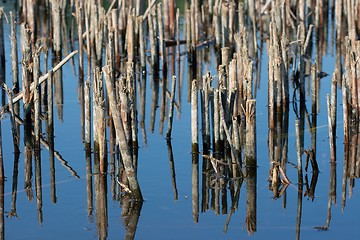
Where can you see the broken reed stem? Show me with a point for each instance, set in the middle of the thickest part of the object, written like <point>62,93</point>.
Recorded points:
<point>171,112</point>
<point>26,80</point>
<point>194,117</point>
<point>206,91</point>
<point>120,137</point>
<point>99,119</point>
<point>331,130</point>
<point>43,92</point>
<point>216,131</point>
<point>124,108</point>
<point>148,9</point>
<point>142,44</point>
<point>271,82</point>
<point>14,55</point>
<point>334,82</point>
<point>314,94</point>
<point>162,48</point>
<point>88,43</point>
<point>250,142</point>
<point>132,89</point>
<point>56,25</point>
<point>354,79</point>
<point>110,53</point>
<point>187,30</point>
<point>115,32</point>
<point>298,144</point>
<point>87,113</point>
<point>227,132</point>
<point>130,36</point>
<point>44,77</point>
<point>331,104</point>
<point>277,62</point>
<point>345,90</point>
<point>96,103</point>
<point>154,58</point>
<point>99,33</point>
<point>236,139</point>
<point>193,24</point>
<point>308,38</point>
<point>178,33</point>
<point>216,25</point>
<point>37,101</point>
<point>80,22</point>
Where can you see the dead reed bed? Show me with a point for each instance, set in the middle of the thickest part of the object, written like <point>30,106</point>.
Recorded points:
<point>122,44</point>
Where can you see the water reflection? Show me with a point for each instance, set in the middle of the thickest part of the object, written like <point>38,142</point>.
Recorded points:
<point>130,214</point>
<point>172,169</point>
<point>195,186</point>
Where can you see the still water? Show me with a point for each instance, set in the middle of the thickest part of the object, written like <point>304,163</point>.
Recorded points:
<point>165,178</point>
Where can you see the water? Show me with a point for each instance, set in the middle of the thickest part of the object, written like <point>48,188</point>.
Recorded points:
<point>167,210</point>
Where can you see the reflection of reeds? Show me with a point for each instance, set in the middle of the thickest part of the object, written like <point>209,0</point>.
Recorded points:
<point>130,215</point>
<point>49,147</point>
<point>195,186</point>
<point>172,169</point>
<point>12,212</point>
<point>101,208</point>
<point>28,173</point>
<point>38,184</point>
<point>89,183</point>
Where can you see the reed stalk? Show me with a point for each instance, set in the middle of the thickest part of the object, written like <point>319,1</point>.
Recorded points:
<point>171,111</point>
<point>121,139</point>
<point>194,116</point>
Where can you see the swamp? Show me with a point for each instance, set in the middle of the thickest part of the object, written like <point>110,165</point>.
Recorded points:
<point>169,119</point>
